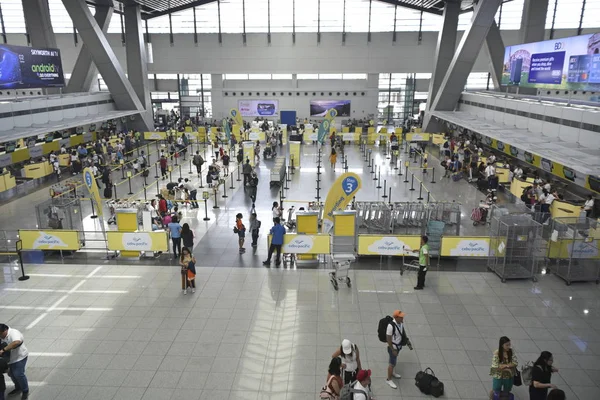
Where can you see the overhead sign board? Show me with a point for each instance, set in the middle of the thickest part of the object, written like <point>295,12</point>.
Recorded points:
<point>28,67</point>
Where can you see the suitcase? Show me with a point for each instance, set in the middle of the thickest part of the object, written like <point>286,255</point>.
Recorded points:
<point>482,184</point>
<point>108,192</point>
<point>503,396</point>
<point>145,173</point>
<point>457,176</point>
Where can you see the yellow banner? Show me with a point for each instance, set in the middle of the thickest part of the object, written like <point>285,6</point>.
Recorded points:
<point>340,194</point>
<point>248,151</point>
<point>568,248</point>
<point>92,185</point>
<point>438,138</point>
<point>237,117</point>
<point>155,135</point>
<point>295,154</point>
<point>137,241</point>
<point>256,134</point>
<point>49,240</point>
<point>376,245</point>
<point>465,246</point>
<point>305,244</point>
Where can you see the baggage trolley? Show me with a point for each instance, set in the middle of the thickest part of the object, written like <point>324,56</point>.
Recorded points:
<point>341,265</point>
<point>414,264</point>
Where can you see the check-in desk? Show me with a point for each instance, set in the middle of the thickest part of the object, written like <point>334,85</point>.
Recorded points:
<point>562,209</point>
<point>37,170</point>
<point>517,186</point>
<point>7,181</point>
<point>64,160</point>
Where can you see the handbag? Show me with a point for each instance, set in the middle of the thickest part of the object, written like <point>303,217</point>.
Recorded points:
<point>517,381</point>
<point>326,394</point>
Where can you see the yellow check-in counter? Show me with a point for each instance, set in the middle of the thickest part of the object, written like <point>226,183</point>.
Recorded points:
<point>346,129</point>
<point>503,175</point>
<point>7,181</point>
<point>517,186</point>
<point>38,170</point>
<point>64,160</point>
<point>561,209</point>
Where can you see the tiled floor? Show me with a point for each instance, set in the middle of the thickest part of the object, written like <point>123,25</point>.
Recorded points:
<point>110,332</point>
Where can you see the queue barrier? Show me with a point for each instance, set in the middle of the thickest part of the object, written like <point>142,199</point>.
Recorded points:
<point>40,239</point>
<point>137,241</point>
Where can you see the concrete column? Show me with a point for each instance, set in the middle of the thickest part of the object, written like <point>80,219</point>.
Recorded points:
<point>39,26</point>
<point>533,23</point>
<point>84,71</point>
<point>464,58</point>
<point>104,57</point>
<point>137,59</point>
<point>495,48</point>
<point>445,47</point>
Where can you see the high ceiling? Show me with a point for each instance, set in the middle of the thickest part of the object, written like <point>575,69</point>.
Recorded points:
<point>156,8</point>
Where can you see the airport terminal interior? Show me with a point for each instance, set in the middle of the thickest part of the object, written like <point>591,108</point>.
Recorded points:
<point>437,162</point>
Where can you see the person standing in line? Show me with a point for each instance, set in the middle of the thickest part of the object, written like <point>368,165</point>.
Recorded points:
<point>504,366</point>
<point>163,166</point>
<point>277,233</point>
<point>333,158</point>
<point>588,207</point>
<point>175,230</point>
<point>277,211</point>
<point>225,160</point>
<point>350,356</point>
<point>13,340</point>
<point>541,376</point>
<point>396,338</point>
<point>423,263</point>
<point>187,236</point>
<point>188,270</point>
<point>247,171</point>
<point>254,228</point>
<point>198,161</point>
<point>240,229</point>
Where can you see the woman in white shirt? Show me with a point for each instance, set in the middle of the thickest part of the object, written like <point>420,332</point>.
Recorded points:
<point>350,356</point>
<point>277,211</point>
<point>588,207</point>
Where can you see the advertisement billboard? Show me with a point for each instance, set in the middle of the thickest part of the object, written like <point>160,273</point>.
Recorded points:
<point>571,63</point>
<point>27,67</point>
<point>258,108</point>
<point>318,108</point>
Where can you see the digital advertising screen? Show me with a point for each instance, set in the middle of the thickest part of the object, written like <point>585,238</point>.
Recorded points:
<point>258,108</point>
<point>571,63</point>
<point>318,108</point>
<point>27,67</point>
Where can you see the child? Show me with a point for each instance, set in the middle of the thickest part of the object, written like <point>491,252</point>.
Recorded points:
<point>333,158</point>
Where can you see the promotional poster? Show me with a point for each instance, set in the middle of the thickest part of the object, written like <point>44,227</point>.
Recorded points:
<point>27,67</point>
<point>571,63</point>
<point>318,108</point>
<point>258,108</point>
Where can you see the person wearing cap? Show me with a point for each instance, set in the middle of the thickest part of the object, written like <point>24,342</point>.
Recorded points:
<point>361,388</point>
<point>350,356</point>
<point>396,338</point>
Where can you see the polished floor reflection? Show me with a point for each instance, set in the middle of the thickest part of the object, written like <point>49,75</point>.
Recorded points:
<point>115,332</point>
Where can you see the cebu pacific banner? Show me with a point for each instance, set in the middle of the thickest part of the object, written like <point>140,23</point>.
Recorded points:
<point>326,124</point>
<point>27,67</point>
<point>341,193</point>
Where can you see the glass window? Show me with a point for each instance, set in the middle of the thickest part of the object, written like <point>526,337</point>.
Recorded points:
<point>568,13</point>
<point>207,18</point>
<point>421,95</point>
<point>384,81</point>
<point>357,15</point>
<point>306,15</point>
<point>591,14</point>
<point>183,21</point>
<point>166,76</point>
<point>281,76</point>
<point>330,76</point>
<point>282,17</point>
<point>259,76</point>
<point>307,76</point>
<point>206,81</point>
<point>14,19</point>
<point>115,24</point>
<point>407,19</point>
<point>257,15</point>
<point>332,15</point>
<point>382,17</point>
<point>61,21</point>
<point>158,24</point>
<point>423,75</point>
<point>354,76</point>
<point>431,22</point>
<point>464,20</point>
<point>232,16</point>
<point>477,80</point>
<point>512,12</point>
<point>235,76</point>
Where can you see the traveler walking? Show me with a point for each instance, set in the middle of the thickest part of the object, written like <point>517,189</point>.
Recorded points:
<point>254,228</point>
<point>277,232</point>
<point>188,270</point>
<point>12,341</point>
<point>277,211</point>
<point>504,366</point>
<point>240,229</point>
<point>541,375</point>
<point>333,158</point>
<point>163,166</point>
<point>175,230</point>
<point>350,356</point>
<point>396,338</point>
<point>246,171</point>
<point>198,161</point>
<point>187,236</point>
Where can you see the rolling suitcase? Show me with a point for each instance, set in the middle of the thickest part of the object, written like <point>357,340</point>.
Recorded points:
<point>108,192</point>
<point>503,396</point>
<point>457,176</point>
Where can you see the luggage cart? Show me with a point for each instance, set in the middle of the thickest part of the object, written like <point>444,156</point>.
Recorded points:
<point>341,264</point>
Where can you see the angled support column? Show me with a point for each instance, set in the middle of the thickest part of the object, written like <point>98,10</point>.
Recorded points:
<point>84,70</point>
<point>137,59</point>
<point>39,25</point>
<point>445,47</point>
<point>533,23</point>
<point>103,56</point>
<point>464,59</point>
<point>495,47</point>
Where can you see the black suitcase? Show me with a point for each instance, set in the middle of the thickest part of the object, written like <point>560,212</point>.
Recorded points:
<point>145,173</point>
<point>482,184</point>
<point>108,192</point>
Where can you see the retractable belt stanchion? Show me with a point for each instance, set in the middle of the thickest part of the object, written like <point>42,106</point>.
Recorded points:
<point>130,191</point>
<point>390,196</point>
<point>432,175</point>
<point>122,171</point>
<point>115,191</point>
<point>156,171</point>
<point>180,171</point>
<point>231,187</point>
<point>157,188</point>
<point>384,189</point>
<point>372,166</point>
<point>145,195</point>
<point>420,192</point>
<point>216,203</point>
<point>191,166</point>
<point>412,182</point>
<point>206,211</point>
<point>238,173</point>
<point>405,171</point>
<point>93,211</point>
<point>224,190</point>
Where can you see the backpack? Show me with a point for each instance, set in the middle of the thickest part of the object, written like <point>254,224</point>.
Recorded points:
<point>524,195</point>
<point>382,328</point>
<point>347,392</point>
<point>526,373</point>
<point>428,383</point>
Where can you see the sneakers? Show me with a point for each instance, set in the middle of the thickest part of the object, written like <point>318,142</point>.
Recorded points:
<point>184,291</point>
<point>193,290</point>
<point>16,390</point>
<point>391,383</point>
<point>267,263</point>
<point>395,375</point>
